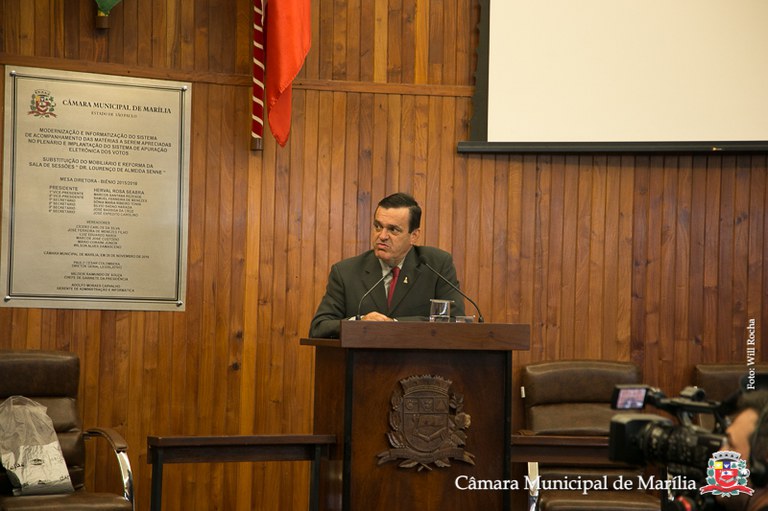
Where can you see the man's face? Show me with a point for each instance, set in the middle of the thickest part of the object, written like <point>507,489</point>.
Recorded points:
<point>740,431</point>
<point>391,239</point>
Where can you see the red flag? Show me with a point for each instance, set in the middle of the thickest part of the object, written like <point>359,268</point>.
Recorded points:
<point>288,40</point>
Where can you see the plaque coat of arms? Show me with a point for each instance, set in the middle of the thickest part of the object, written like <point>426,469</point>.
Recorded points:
<point>427,424</point>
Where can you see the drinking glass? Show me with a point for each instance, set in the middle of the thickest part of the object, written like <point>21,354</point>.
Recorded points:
<point>439,310</point>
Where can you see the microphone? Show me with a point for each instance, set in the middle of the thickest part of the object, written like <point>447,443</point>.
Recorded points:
<point>359,305</point>
<point>479,314</point>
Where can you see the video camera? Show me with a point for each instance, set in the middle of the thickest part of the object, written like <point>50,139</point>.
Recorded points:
<point>682,449</point>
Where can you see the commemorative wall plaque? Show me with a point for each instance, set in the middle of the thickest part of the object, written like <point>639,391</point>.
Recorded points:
<point>95,191</point>
<point>428,424</point>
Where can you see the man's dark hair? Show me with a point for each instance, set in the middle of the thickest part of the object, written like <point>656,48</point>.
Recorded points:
<point>403,200</point>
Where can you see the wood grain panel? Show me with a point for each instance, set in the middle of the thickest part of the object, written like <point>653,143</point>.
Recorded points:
<point>660,260</point>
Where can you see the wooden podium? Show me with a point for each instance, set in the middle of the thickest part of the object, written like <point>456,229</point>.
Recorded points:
<point>416,408</point>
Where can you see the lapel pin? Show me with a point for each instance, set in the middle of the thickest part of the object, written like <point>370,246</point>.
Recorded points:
<point>405,280</point>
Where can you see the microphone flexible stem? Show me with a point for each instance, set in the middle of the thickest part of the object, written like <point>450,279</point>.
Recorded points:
<point>480,318</point>
<point>359,305</point>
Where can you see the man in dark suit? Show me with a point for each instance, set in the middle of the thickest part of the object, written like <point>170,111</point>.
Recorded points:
<point>396,229</point>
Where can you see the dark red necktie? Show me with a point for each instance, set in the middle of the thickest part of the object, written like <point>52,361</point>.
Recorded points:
<point>392,284</point>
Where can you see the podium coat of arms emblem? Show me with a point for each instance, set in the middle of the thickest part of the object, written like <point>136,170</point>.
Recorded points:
<point>427,424</point>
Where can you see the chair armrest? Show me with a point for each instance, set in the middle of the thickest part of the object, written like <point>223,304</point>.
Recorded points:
<point>114,438</point>
<point>120,447</point>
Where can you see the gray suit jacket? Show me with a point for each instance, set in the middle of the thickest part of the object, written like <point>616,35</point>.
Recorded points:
<point>416,285</point>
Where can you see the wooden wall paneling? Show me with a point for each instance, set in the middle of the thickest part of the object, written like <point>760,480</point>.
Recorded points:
<point>598,319</point>
<point>200,35</point>
<point>252,364</point>
<point>379,52</point>
<point>421,42</point>
<point>208,333</point>
<point>88,44</point>
<point>408,42</point>
<point>470,227</point>
<point>364,34</point>
<point>581,249</point>
<point>220,36</point>
<point>308,225</point>
<point>337,228</point>
<point>756,268</point>
<point>498,255</point>
<point>407,140</point>
<point>325,186</point>
<point>445,149</point>
<point>365,185</point>
<point>468,12</point>
<point>652,294</point>
<point>480,258</point>
<point>10,26</point>
<point>394,137</point>
<point>267,374</point>
<point>343,19</point>
<point>183,54</point>
<point>711,263</point>
<point>669,248</point>
<point>42,28</point>
<point>681,226</point>
<point>741,247</point>
<point>430,171</point>
<point>322,50</point>
<point>436,37</point>
<point>130,33</point>
<point>174,33</point>
<point>419,171</point>
<point>355,51</point>
<point>379,150</point>
<point>57,28</point>
<point>71,30</point>
<point>432,193</point>
<point>555,252</point>
<point>26,35</point>
<point>180,482</point>
<point>310,214</point>
<point>230,284</point>
<point>625,261</point>
<point>758,285</point>
<point>353,225</point>
<point>392,48</point>
<point>541,250</point>
<point>112,40</point>
<point>639,266</point>
<point>450,25</point>
<point>696,264</point>
<point>530,222</point>
<point>726,350</point>
<point>276,386</point>
<point>513,300</point>
<point>459,221</point>
<point>569,213</point>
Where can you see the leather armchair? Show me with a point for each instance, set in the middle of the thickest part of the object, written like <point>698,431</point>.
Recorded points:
<point>720,381</point>
<point>52,379</point>
<point>568,414</point>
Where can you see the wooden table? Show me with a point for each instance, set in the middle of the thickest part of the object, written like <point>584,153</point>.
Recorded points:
<point>249,448</point>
